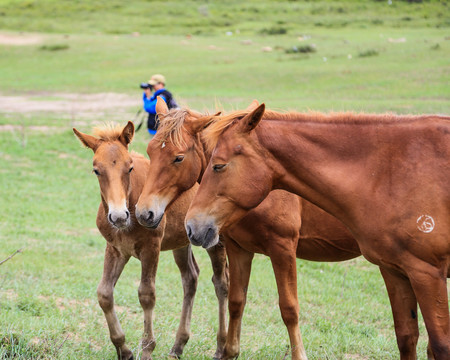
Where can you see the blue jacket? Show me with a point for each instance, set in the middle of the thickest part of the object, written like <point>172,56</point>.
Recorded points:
<point>150,104</point>
<point>150,107</point>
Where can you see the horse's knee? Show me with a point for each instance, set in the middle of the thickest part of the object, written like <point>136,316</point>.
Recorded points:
<point>147,296</point>
<point>220,285</point>
<point>190,285</point>
<point>289,314</point>
<point>235,308</point>
<point>105,298</point>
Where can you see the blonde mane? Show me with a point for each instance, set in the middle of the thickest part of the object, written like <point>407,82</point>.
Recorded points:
<point>171,125</point>
<point>108,131</point>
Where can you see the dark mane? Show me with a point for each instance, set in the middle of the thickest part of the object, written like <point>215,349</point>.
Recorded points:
<point>221,123</point>
<point>341,117</point>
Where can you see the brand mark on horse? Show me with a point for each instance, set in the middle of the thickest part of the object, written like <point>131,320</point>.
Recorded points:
<point>425,223</point>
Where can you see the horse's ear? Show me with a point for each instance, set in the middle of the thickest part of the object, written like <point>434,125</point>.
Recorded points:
<point>249,122</point>
<point>161,106</point>
<point>127,134</point>
<point>253,105</point>
<point>87,140</point>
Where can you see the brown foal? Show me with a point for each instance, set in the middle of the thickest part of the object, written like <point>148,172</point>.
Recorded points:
<point>385,177</point>
<point>121,176</point>
<point>179,158</point>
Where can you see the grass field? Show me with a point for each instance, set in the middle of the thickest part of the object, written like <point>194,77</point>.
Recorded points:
<point>82,66</point>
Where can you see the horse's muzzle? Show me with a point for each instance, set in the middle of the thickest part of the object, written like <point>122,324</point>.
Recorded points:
<point>119,219</point>
<point>148,218</point>
<point>205,235</point>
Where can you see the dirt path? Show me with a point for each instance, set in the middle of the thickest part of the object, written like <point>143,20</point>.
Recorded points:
<point>79,109</point>
<point>20,39</point>
<point>69,103</point>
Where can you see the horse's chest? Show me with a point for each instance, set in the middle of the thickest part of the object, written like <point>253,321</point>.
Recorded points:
<point>125,245</point>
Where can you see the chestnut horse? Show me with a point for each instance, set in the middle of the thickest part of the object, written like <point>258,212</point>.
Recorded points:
<point>386,177</point>
<point>121,176</point>
<point>178,160</point>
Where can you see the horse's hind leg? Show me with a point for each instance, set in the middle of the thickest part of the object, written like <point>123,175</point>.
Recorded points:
<point>112,268</point>
<point>404,310</point>
<point>220,280</point>
<point>189,270</point>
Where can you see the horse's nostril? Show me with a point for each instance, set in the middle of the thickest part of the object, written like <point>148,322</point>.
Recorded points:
<point>110,218</point>
<point>127,213</point>
<point>151,216</point>
<point>189,231</point>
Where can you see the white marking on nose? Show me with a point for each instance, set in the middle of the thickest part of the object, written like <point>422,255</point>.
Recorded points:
<point>163,145</point>
<point>425,223</point>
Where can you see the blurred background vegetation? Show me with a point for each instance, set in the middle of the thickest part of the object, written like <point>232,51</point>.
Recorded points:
<point>67,64</point>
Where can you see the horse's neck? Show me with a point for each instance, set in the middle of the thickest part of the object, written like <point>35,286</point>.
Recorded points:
<point>316,161</point>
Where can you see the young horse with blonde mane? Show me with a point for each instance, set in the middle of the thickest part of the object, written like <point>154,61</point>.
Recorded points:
<point>121,176</point>
<point>302,230</point>
<point>385,177</point>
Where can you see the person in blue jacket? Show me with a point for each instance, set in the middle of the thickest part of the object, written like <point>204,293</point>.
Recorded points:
<point>156,83</point>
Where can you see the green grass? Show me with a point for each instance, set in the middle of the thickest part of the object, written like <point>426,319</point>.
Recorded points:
<point>215,17</point>
<point>49,197</point>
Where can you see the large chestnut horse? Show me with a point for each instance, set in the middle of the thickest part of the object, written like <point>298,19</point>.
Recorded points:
<point>178,160</point>
<point>386,177</point>
<point>121,176</point>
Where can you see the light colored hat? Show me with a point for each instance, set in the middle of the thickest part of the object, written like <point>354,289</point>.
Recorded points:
<point>156,79</point>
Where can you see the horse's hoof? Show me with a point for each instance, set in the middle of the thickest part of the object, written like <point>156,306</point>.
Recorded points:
<point>126,356</point>
<point>129,357</point>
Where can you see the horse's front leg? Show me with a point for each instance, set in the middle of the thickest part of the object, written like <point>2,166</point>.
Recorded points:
<point>404,310</point>
<point>184,258</point>
<point>112,268</point>
<point>220,280</point>
<point>149,264</point>
<point>240,262</point>
<point>430,287</point>
<point>284,266</point>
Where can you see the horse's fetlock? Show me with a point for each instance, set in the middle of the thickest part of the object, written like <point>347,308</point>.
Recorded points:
<point>148,345</point>
<point>118,341</point>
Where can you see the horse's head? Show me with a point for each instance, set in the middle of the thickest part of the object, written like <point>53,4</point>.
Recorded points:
<point>177,161</point>
<point>113,165</point>
<point>235,181</point>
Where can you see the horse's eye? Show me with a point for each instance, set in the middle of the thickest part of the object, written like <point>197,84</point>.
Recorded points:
<point>178,158</point>
<point>131,169</point>
<point>219,167</point>
<point>95,171</point>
